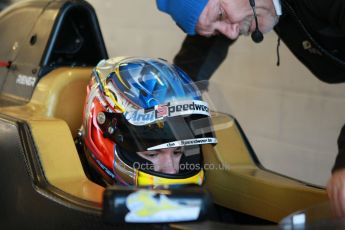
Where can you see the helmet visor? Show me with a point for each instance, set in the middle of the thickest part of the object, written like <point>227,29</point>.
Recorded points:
<point>172,132</point>
<point>152,129</point>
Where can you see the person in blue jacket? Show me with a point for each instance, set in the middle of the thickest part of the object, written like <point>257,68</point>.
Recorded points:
<point>230,18</point>
<point>313,30</point>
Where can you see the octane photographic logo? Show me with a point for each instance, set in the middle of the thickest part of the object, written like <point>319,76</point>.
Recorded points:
<point>143,117</point>
<point>184,166</point>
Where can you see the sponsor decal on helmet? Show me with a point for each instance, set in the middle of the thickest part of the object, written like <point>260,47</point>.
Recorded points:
<point>143,117</point>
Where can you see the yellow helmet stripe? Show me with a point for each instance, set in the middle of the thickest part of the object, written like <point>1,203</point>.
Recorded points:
<point>118,75</point>
<point>110,95</point>
<point>145,179</point>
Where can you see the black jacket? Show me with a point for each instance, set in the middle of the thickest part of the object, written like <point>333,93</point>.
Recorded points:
<point>314,31</point>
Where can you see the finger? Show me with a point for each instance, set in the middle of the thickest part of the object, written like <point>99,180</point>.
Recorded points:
<point>341,199</point>
<point>230,30</point>
<point>206,29</point>
<point>336,192</point>
<point>206,33</point>
<point>330,189</point>
<point>335,203</point>
<point>338,198</point>
<point>332,192</point>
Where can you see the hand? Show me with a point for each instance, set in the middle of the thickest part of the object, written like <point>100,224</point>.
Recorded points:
<point>213,21</point>
<point>336,192</point>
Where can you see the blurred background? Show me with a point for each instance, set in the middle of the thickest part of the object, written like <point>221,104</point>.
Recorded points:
<point>291,118</point>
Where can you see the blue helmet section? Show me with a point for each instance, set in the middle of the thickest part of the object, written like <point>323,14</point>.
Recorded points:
<point>150,82</point>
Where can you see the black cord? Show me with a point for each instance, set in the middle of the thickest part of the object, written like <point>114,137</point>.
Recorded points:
<point>278,54</point>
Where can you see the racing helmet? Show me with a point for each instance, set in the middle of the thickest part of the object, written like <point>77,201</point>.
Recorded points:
<point>142,104</point>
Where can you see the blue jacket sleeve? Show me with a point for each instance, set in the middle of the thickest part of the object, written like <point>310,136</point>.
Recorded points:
<point>184,12</point>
